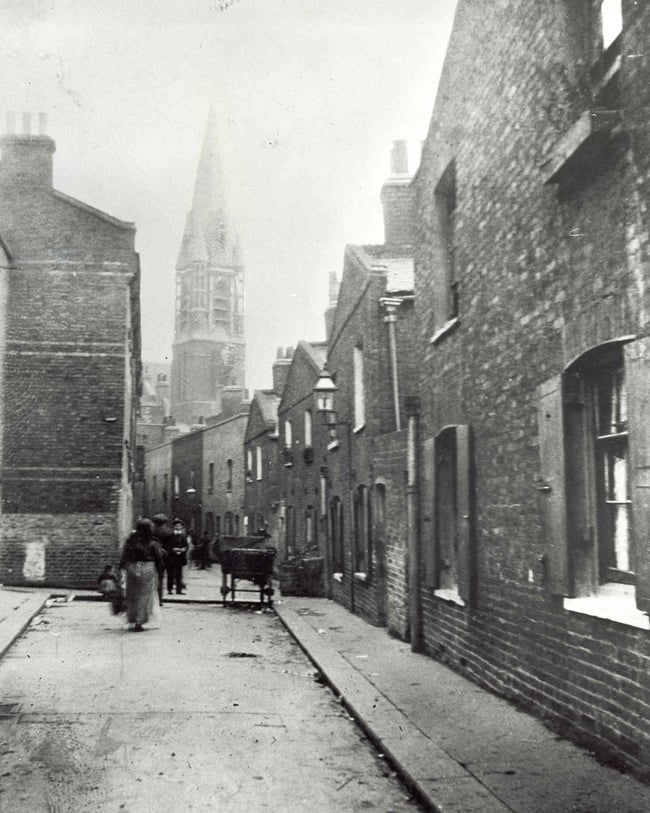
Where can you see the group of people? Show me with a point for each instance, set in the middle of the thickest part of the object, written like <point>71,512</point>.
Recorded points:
<point>152,549</point>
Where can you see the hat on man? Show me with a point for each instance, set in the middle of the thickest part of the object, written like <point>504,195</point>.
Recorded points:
<point>160,519</point>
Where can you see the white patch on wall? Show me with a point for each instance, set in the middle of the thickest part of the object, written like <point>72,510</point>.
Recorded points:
<point>34,567</point>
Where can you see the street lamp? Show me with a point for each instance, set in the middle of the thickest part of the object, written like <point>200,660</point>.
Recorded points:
<point>324,392</point>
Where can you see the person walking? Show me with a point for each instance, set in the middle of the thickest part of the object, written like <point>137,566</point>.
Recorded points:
<point>176,558</point>
<point>164,536</point>
<point>142,561</point>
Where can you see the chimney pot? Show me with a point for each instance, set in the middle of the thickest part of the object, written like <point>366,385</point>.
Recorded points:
<point>27,123</point>
<point>399,160</point>
<point>11,122</point>
<point>42,123</point>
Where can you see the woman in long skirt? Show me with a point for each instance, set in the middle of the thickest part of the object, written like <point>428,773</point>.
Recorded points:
<point>141,560</point>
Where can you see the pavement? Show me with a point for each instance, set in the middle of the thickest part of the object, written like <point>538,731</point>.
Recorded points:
<point>458,748</point>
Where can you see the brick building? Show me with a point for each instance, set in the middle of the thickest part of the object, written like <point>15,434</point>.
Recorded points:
<point>532,302</point>
<point>70,373</point>
<point>223,496</point>
<point>372,360</point>
<point>155,404</point>
<point>302,485</point>
<point>261,455</point>
<point>209,344</point>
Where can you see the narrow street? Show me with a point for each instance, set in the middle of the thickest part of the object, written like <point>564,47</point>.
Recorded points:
<point>217,710</point>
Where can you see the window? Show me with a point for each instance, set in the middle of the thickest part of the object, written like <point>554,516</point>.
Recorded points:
<point>228,475</point>
<point>445,205</point>
<point>359,394</point>
<point>449,556</point>
<point>177,486</point>
<point>611,21</point>
<point>594,453</point>
<point>288,435</point>
<point>228,524</point>
<point>290,531</point>
<point>258,461</point>
<point>154,490</point>
<point>308,427</point>
<point>165,488</point>
<point>210,478</point>
<point>362,531</point>
<point>310,526</point>
<point>336,525</point>
<point>249,465</point>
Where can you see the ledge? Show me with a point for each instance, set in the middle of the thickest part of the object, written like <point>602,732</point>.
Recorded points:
<point>444,330</point>
<point>589,128</point>
<point>361,577</point>
<point>450,595</point>
<point>613,602</point>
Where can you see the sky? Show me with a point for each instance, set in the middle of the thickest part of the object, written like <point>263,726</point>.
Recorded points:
<point>309,96</point>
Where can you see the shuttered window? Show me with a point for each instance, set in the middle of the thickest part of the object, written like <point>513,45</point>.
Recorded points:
<point>594,487</point>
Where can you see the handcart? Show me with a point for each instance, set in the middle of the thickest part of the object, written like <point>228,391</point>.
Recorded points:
<point>248,559</point>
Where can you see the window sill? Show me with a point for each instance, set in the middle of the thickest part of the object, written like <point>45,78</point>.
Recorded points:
<point>359,428</point>
<point>332,445</point>
<point>613,602</point>
<point>361,577</point>
<point>450,595</point>
<point>444,330</point>
<point>338,577</point>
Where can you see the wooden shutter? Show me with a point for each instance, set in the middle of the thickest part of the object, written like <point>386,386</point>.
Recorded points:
<point>465,512</point>
<point>637,375</point>
<point>428,515</point>
<point>551,485</point>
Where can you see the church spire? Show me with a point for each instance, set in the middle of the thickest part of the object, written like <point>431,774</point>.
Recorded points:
<point>209,343</point>
<point>208,238</point>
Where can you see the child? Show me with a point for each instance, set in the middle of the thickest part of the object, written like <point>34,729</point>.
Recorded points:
<point>107,582</point>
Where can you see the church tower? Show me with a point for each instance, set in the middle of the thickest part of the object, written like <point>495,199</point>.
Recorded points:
<point>209,346</point>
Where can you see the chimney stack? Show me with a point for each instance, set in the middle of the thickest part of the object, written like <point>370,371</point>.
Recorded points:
<point>231,398</point>
<point>281,369</point>
<point>331,308</point>
<point>398,199</point>
<point>26,159</point>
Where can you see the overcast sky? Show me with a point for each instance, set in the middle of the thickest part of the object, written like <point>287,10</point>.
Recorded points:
<point>309,95</point>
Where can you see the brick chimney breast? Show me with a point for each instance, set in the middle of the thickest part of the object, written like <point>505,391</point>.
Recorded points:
<point>26,159</point>
<point>398,199</point>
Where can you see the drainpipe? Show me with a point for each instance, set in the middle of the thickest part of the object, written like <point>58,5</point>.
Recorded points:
<point>391,306</point>
<point>412,527</point>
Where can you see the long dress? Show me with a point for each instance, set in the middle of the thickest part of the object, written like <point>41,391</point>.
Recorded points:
<point>142,603</point>
<point>140,560</point>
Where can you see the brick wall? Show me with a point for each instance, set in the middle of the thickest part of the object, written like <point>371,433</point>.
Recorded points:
<point>376,452</point>
<point>71,356</point>
<point>545,273</point>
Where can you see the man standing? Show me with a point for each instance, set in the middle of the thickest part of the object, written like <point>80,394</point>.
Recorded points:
<point>176,557</point>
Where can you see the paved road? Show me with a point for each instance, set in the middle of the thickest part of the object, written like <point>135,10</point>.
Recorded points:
<point>218,710</point>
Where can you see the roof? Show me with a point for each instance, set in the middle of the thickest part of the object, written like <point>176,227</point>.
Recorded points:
<point>317,351</point>
<point>398,262</point>
<point>268,403</point>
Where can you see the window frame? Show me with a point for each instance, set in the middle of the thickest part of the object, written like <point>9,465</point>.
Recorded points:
<point>358,388</point>
<point>562,440</point>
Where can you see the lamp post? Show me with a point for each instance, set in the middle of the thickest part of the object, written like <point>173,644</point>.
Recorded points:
<point>324,396</point>
<point>190,493</point>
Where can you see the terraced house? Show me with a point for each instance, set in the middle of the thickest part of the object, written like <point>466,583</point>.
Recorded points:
<point>531,271</point>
